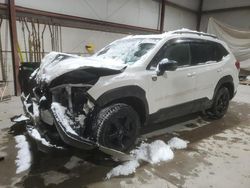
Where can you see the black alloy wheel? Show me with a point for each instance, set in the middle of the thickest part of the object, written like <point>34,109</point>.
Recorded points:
<point>220,104</point>
<point>117,127</point>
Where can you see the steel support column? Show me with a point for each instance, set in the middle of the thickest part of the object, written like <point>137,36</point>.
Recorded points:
<point>199,14</point>
<point>162,15</point>
<point>14,45</point>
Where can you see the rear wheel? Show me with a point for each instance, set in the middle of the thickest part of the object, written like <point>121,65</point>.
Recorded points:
<point>116,127</point>
<point>220,104</point>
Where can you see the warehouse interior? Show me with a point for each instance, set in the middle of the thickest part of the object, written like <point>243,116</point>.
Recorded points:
<point>31,29</point>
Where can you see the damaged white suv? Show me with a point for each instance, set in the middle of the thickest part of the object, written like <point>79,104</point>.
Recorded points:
<point>102,101</point>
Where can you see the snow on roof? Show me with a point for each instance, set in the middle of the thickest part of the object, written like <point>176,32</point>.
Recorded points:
<point>173,32</point>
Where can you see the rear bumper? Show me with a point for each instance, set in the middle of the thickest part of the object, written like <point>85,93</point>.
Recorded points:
<point>36,130</point>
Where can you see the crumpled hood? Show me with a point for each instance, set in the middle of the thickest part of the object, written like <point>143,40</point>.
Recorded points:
<point>56,64</point>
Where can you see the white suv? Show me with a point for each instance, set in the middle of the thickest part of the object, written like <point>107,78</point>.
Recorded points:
<point>104,100</point>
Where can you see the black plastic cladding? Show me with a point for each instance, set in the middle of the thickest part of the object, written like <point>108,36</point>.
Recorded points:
<point>132,95</point>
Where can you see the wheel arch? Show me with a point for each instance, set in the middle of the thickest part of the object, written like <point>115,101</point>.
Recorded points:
<point>132,95</point>
<point>226,81</point>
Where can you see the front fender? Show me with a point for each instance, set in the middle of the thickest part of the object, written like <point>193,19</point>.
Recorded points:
<point>117,94</point>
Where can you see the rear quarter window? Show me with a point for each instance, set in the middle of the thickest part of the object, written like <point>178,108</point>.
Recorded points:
<point>222,51</point>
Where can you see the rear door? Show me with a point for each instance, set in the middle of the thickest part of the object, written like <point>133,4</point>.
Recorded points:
<point>208,62</point>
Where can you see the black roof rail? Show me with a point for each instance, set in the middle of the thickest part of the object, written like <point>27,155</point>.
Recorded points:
<point>194,32</point>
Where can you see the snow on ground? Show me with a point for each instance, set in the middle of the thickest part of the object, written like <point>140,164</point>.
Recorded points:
<point>226,160</point>
<point>177,143</point>
<point>23,160</point>
<point>35,134</point>
<point>180,127</point>
<point>125,169</point>
<point>242,95</point>
<point>153,153</point>
<point>20,118</point>
<point>146,181</point>
<point>54,177</point>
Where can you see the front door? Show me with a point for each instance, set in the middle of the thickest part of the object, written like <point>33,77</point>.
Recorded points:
<point>174,88</point>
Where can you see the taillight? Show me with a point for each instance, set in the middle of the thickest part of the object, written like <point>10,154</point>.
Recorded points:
<point>237,64</point>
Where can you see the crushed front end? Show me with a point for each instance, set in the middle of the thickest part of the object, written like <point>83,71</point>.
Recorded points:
<point>58,104</point>
<point>61,115</point>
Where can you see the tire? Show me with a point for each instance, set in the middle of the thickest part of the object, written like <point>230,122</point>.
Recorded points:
<point>220,104</point>
<point>116,126</point>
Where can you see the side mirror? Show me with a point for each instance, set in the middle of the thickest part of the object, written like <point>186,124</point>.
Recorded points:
<point>166,65</point>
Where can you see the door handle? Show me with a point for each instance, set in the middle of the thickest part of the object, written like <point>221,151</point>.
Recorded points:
<point>219,70</point>
<point>191,74</point>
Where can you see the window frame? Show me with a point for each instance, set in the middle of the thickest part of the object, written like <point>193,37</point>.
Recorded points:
<point>189,41</point>
<point>167,44</point>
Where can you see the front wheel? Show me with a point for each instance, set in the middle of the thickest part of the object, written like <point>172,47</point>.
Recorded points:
<point>116,127</point>
<point>220,104</point>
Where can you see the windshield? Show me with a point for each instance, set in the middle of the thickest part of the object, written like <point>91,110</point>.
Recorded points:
<point>128,51</point>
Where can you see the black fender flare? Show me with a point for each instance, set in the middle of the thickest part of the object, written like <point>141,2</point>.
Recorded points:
<point>225,80</point>
<point>120,93</point>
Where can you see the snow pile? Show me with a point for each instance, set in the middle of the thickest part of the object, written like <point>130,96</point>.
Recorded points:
<point>152,153</point>
<point>20,118</point>
<point>125,169</point>
<point>23,160</point>
<point>61,116</point>
<point>177,143</point>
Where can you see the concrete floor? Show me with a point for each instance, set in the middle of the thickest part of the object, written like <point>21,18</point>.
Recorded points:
<point>217,156</point>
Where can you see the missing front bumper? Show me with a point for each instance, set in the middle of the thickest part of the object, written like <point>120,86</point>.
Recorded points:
<point>66,133</point>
